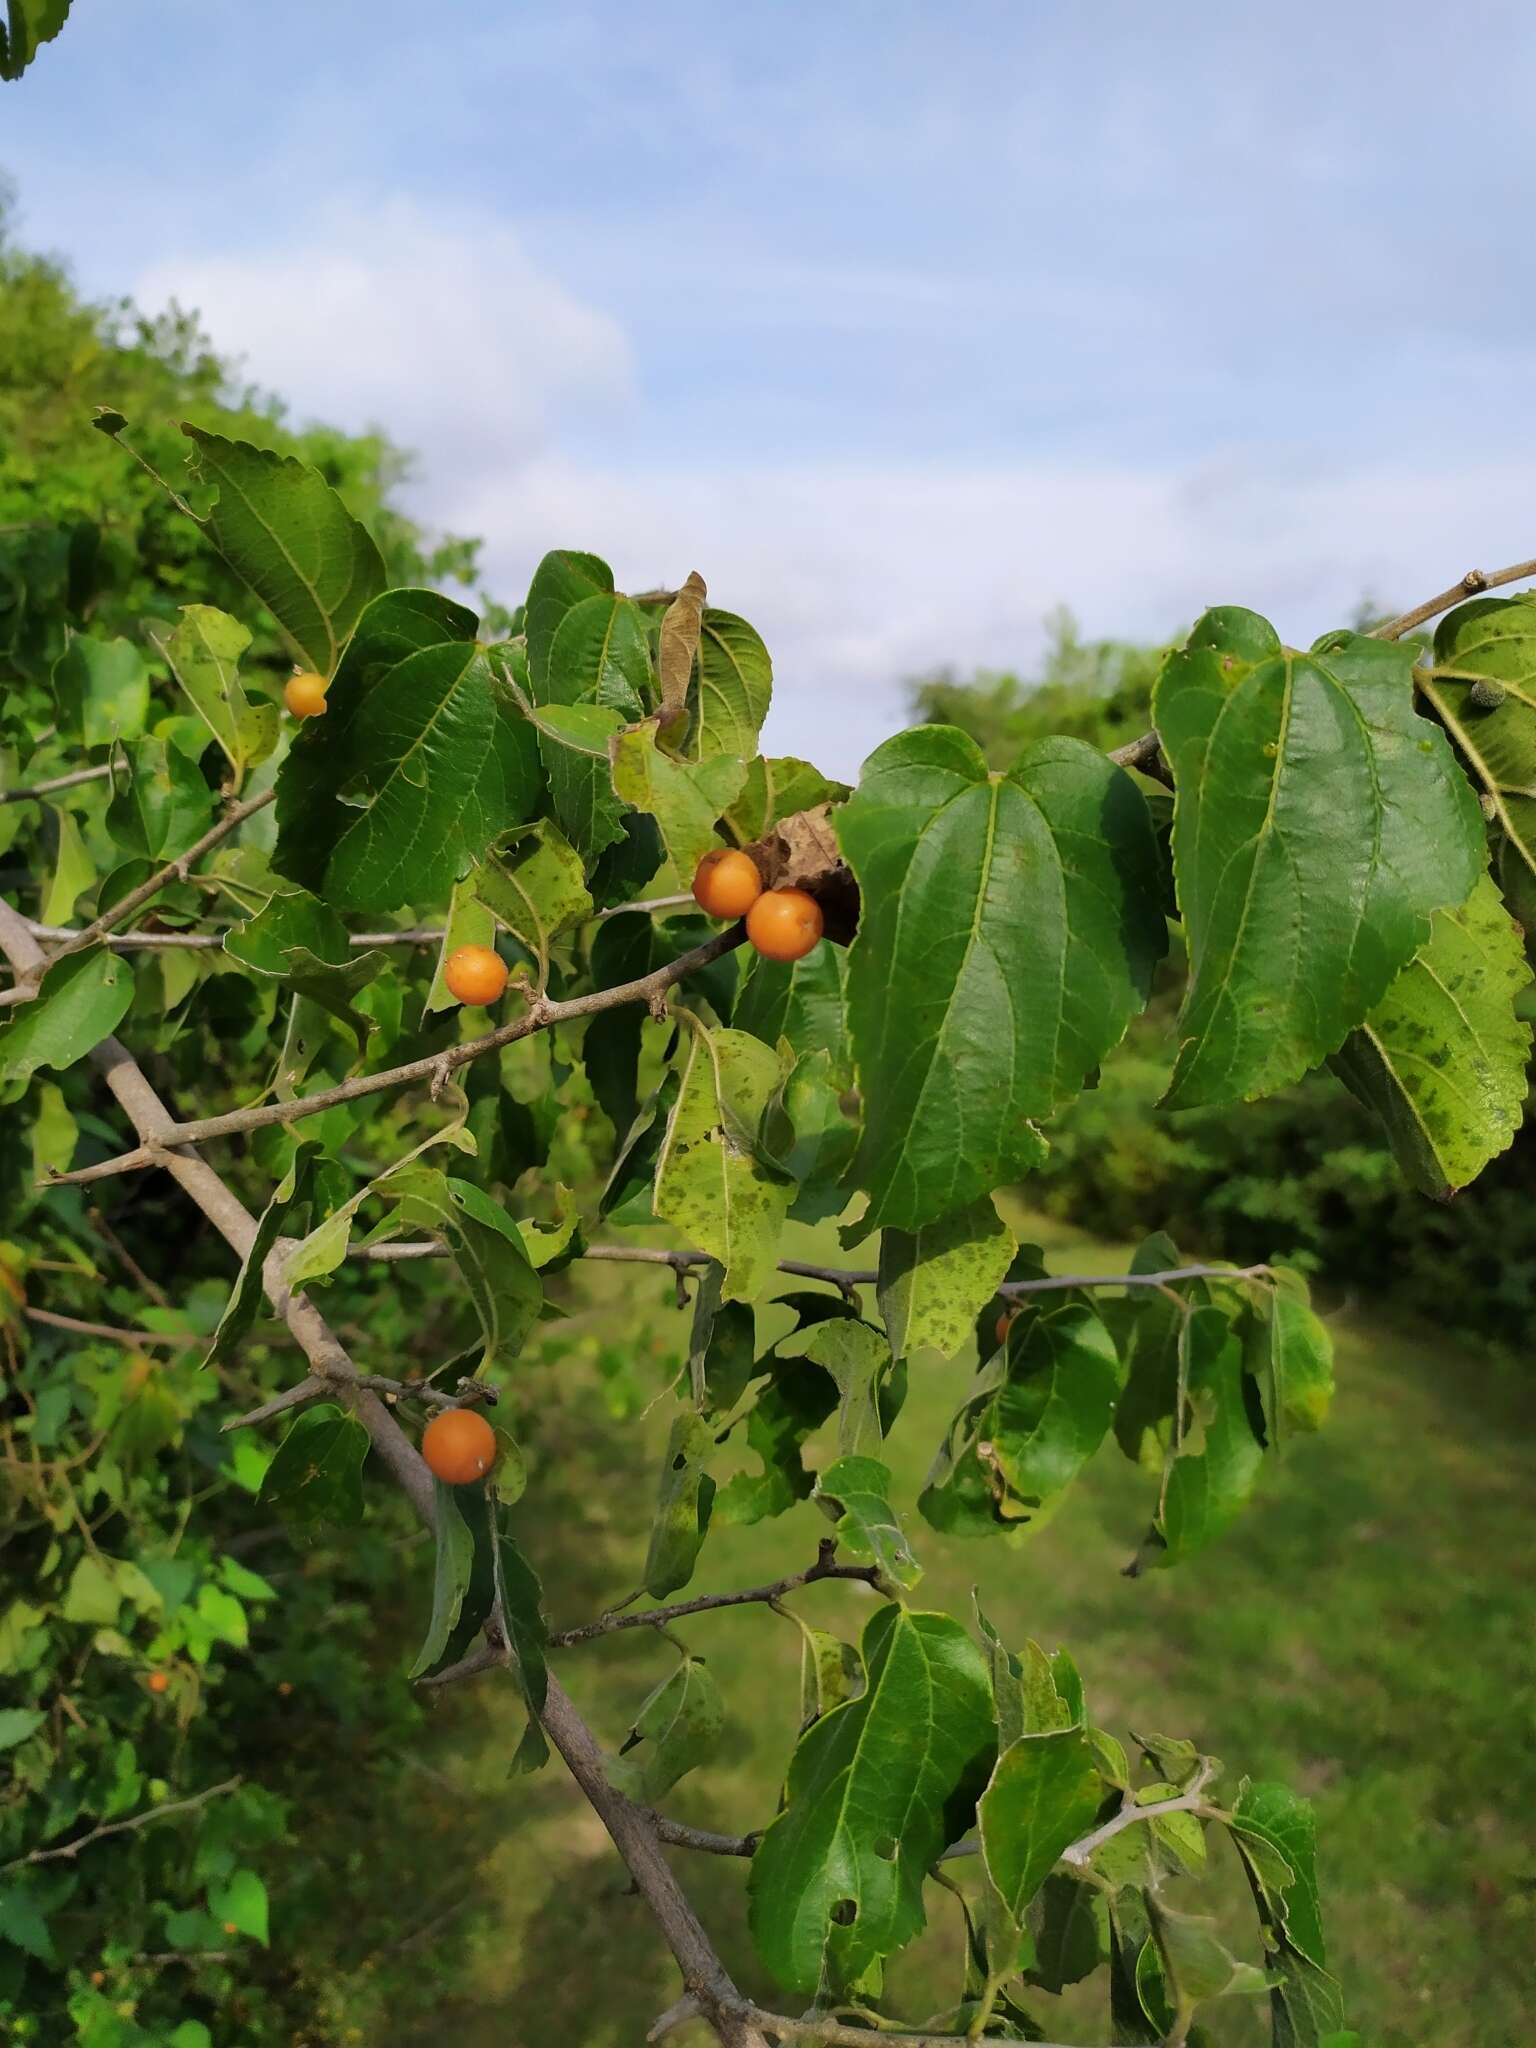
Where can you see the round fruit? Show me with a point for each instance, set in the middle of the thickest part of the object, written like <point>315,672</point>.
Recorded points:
<point>305,694</point>
<point>157,1681</point>
<point>459,1446</point>
<point>784,924</point>
<point>475,975</point>
<point>727,883</point>
<point>1004,1324</point>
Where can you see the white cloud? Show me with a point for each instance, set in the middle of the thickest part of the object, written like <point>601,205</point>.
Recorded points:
<point>438,327</point>
<point>859,577</point>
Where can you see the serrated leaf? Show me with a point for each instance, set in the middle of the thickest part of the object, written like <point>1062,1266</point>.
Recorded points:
<point>1044,1409</point>
<point>797,1400</point>
<point>684,797</point>
<point>560,582</point>
<point>291,1194</point>
<point>1442,1057</point>
<point>934,1281</point>
<point>1289,1353</point>
<point>421,760</point>
<point>534,884</point>
<point>858,1361</point>
<point>730,690</point>
<point>600,655</point>
<point>710,1180</point>
<point>1147,1325</point>
<point>1493,639</point>
<point>452,1573</point>
<point>1318,823</point>
<point>808,1134</point>
<point>837,1880</point>
<point>287,535</point>
<point>678,1728</point>
<point>856,1492</point>
<point>1216,1459</point>
<point>683,1506</point>
<point>488,1250</point>
<point>102,687</point>
<point>1044,1793</point>
<point>28,25</point>
<point>1070,1940</point>
<point>801,1001</point>
<point>575,742</point>
<point>17,1723</point>
<point>1274,1814</point>
<point>203,653</point>
<point>317,1472</point>
<point>80,1002</point>
<point>161,804</point>
<point>1009,930</point>
<point>777,787</point>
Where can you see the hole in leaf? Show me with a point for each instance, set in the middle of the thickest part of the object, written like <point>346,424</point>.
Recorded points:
<point>679,1462</point>
<point>845,1912</point>
<point>886,1848</point>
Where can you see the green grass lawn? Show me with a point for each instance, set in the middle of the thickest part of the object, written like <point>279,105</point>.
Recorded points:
<point>1367,1632</point>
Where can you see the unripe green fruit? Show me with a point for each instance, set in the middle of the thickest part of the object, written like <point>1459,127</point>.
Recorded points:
<point>1486,694</point>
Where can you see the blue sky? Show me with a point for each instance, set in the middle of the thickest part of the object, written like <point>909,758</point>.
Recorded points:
<point>902,323</point>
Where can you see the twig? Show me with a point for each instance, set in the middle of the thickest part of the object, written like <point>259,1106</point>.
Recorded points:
<point>118,1335</point>
<point>1146,754</point>
<point>27,981</point>
<point>649,903</point>
<point>36,789</point>
<point>317,1388</point>
<point>1080,1852</point>
<point>682,1837</point>
<point>678,2014</point>
<point>129,942</point>
<point>70,1850</point>
<point>1470,585</point>
<point>541,1015</point>
<point>825,1567</point>
<point>839,2035</point>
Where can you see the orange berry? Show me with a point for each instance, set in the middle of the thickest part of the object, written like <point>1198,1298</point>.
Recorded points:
<point>459,1446</point>
<point>1005,1324</point>
<point>157,1681</point>
<point>726,883</point>
<point>305,694</point>
<point>784,924</point>
<point>475,975</point>
<point>284,1687</point>
<point>230,1927</point>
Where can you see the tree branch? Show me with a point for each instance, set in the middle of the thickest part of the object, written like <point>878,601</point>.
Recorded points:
<point>838,2035</point>
<point>28,979</point>
<point>825,1567</point>
<point>704,1975</point>
<point>468,1393</point>
<point>131,942</point>
<point>117,1334</point>
<point>37,789</point>
<point>70,1850</point>
<point>1192,1801</point>
<point>1470,585</point>
<point>541,1015</point>
<point>682,1837</point>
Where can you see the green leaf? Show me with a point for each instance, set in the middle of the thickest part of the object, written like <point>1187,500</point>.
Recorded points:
<point>241,1902</point>
<point>858,1360</point>
<point>808,1134</point>
<point>797,1400</point>
<point>22,1923</point>
<point>683,1507</point>
<point>856,1493</point>
<point>935,1281</point>
<point>1274,1814</point>
<point>710,1181</point>
<point>421,760</point>
<point>534,884</point>
<point>977,888</point>
<point>1147,1325</point>
<point>1195,1964</point>
<point>93,1594</point>
<point>684,797</point>
<point>1044,1793</point>
<point>560,582</point>
<point>730,689</point>
<point>1215,1461</point>
<point>455,1559</point>
<point>1071,1940</point>
<point>317,1473</point>
<point>1493,638</point>
<point>17,1723</point>
<point>203,654</point>
<point>721,1346</point>
<point>678,1728</point>
<point>488,1250</point>
<point>163,803</point>
<point>1319,821</point>
<point>600,655</point>
<point>1289,1354</point>
<point>1442,1057</point>
<point>522,1606</point>
<point>837,1880</point>
<point>575,742</point>
<point>80,1002</point>
<point>32,23</point>
<point>73,871</point>
<point>830,1671</point>
<point>291,1194</point>
<point>1045,1407</point>
<point>287,535</point>
<point>102,687</point>
<point>777,788</point>
<point>801,1001</point>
